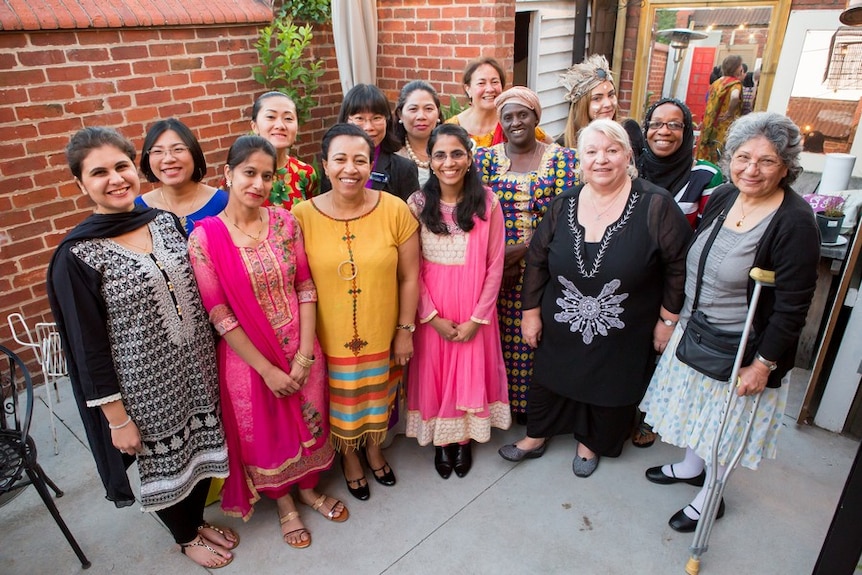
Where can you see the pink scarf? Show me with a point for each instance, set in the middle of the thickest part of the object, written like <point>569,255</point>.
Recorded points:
<point>237,288</point>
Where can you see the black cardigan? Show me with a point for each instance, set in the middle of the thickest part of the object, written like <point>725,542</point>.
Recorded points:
<point>790,246</point>
<point>401,175</point>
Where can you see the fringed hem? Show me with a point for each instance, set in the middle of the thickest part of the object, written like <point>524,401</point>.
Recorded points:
<point>342,444</point>
<point>443,431</point>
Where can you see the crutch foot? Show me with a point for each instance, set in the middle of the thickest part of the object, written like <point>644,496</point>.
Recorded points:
<point>685,524</point>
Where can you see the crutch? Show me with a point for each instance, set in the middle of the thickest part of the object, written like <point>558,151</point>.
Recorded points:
<point>715,485</point>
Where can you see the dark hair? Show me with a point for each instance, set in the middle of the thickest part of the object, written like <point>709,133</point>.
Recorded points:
<point>369,98</point>
<point>472,200</point>
<point>474,65</point>
<point>409,88</point>
<point>344,129</point>
<point>258,104</point>
<point>155,132</point>
<point>85,141</point>
<point>245,146</point>
<point>715,75</point>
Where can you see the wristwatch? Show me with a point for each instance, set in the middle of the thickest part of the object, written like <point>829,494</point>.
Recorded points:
<point>411,327</point>
<point>668,322</point>
<point>772,365</point>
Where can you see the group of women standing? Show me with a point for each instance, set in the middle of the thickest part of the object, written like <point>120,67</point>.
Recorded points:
<point>516,277</point>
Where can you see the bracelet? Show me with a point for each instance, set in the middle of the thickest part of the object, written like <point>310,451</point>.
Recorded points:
<point>302,360</point>
<point>122,425</point>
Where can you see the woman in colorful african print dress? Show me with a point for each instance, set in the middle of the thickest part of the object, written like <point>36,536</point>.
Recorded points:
<point>457,390</point>
<point>255,283</point>
<point>723,106</point>
<point>363,250</point>
<point>526,175</point>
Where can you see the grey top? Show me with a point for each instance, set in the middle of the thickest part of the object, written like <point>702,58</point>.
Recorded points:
<point>723,290</point>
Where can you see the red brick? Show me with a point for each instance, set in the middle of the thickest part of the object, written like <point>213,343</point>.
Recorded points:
<point>112,70</point>
<point>194,63</point>
<point>52,92</point>
<point>120,102</point>
<point>13,96</point>
<point>42,145</point>
<point>22,77</point>
<point>244,59</point>
<point>141,114</point>
<point>93,37</point>
<point>133,36</point>
<point>206,77</point>
<point>201,47</point>
<point>29,278</point>
<point>129,53</point>
<point>135,84</point>
<point>85,106</point>
<point>88,55</point>
<point>153,97</point>
<point>23,165</point>
<point>69,74</point>
<point>169,48</point>
<point>13,40</point>
<point>96,88</point>
<point>170,80</point>
<point>175,109</point>
<point>66,126</point>
<point>39,112</point>
<point>54,38</point>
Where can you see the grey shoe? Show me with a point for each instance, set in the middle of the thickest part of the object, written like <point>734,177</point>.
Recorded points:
<point>512,452</point>
<point>584,467</point>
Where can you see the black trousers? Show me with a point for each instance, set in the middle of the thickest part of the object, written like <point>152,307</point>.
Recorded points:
<point>184,517</point>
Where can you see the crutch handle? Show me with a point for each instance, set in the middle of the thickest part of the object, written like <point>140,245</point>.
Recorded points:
<point>765,277</point>
<point>692,567</point>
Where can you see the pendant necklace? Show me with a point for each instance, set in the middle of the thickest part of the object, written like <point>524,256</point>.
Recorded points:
<point>600,215</point>
<point>255,237</point>
<point>183,219</point>
<point>741,220</point>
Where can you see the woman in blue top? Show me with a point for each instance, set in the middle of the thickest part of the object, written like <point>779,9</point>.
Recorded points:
<point>172,155</point>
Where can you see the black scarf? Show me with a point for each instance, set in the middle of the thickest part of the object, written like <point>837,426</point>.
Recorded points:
<point>671,172</point>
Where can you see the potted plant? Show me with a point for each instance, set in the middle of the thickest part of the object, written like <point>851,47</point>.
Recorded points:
<point>830,218</point>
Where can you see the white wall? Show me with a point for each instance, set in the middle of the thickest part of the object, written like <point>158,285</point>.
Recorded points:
<point>793,59</point>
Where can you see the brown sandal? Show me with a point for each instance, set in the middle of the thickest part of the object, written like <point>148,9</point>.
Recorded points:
<point>318,506</point>
<point>199,541</point>
<point>299,544</point>
<point>229,534</point>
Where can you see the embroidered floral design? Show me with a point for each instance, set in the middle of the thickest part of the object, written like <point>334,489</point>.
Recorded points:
<point>587,314</point>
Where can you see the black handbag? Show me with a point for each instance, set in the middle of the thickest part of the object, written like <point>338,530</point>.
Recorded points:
<point>703,347</point>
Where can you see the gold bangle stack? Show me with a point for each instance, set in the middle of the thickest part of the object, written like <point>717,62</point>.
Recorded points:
<point>302,360</point>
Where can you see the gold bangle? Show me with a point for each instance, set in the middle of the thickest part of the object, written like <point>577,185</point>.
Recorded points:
<point>302,360</point>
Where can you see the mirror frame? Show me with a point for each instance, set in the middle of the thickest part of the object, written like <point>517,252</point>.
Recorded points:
<point>777,30</point>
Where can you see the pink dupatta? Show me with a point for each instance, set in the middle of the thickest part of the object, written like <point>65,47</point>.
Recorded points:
<point>228,264</point>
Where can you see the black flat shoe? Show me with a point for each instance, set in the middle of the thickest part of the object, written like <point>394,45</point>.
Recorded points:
<point>656,475</point>
<point>463,459</point>
<point>443,461</point>
<point>685,524</point>
<point>357,487</point>
<point>386,477</point>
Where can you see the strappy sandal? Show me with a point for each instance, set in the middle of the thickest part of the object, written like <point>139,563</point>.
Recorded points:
<point>231,536</point>
<point>299,544</point>
<point>318,506</point>
<point>199,541</point>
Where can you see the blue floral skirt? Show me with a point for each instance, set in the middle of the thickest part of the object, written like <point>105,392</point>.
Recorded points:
<point>684,407</point>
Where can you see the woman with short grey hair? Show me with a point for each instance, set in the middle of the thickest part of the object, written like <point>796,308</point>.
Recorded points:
<point>761,223</point>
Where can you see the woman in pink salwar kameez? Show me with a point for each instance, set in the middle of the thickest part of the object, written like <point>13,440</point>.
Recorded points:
<point>255,283</point>
<point>457,380</point>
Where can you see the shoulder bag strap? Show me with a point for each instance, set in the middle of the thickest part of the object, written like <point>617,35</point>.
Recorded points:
<point>719,221</point>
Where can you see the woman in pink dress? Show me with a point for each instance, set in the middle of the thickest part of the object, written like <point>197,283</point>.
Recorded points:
<point>255,283</point>
<point>457,381</point>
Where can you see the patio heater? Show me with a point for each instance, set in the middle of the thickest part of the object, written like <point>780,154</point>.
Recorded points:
<point>852,16</point>
<point>679,40</point>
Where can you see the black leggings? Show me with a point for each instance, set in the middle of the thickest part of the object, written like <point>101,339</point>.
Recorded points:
<point>184,517</point>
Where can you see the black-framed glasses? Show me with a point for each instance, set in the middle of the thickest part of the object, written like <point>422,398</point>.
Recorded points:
<point>672,126</point>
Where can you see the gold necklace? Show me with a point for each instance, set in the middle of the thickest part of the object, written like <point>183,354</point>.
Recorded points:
<point>599,215</point>
<point>255,237</point>
<point>183,219</point>
<point>741,220</point>
<point>412,154</point>
<point>146,248</point>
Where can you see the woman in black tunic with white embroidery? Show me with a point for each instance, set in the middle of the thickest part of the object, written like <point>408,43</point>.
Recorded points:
<point>602,289</point>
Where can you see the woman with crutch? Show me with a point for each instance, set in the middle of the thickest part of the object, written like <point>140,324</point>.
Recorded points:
<point>755,221</point>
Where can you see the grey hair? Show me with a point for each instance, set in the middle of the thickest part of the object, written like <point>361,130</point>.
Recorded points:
<point>778,129</point>
<point>612,130</point>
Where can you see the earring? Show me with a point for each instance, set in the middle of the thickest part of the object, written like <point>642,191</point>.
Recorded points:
<point>400,121</point>
<point>229,183</point>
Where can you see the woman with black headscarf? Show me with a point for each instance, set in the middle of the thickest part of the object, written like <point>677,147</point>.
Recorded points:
<point>667,159</point>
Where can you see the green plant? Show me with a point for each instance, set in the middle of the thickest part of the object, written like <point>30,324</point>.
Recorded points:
<point>284,64</point>
<point>834,207</point>
<point>453,108</point>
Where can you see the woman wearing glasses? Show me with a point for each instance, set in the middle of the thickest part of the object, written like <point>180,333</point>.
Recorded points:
<point>668,158</point>
<point>367,107</point>
<point>457,390</point>
<point>760,222</point>
<point>172,155</point>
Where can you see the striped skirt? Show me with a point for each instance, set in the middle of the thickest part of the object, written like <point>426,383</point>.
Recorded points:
<point>362,394</point>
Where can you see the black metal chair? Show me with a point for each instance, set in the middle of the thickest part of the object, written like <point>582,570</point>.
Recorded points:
<point>17,448</point>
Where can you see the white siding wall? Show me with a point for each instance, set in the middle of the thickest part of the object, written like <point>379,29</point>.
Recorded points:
<point>551,54</point>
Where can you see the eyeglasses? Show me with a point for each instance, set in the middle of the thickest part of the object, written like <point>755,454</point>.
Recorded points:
<point>763,164</point>
<point>672,126</point>
<point>361,120</point>
<point>454,154</point>
<point>174,151</point>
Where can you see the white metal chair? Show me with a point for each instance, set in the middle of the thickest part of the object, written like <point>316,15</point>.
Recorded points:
<point>48,349</point>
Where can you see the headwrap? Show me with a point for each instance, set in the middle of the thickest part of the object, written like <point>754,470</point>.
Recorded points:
<point>581,78</point>
<point>671,172</point>
<point>520,95</point>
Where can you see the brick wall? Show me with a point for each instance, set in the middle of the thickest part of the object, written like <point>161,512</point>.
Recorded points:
<point>433,40</point>
<point>658,65</point>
